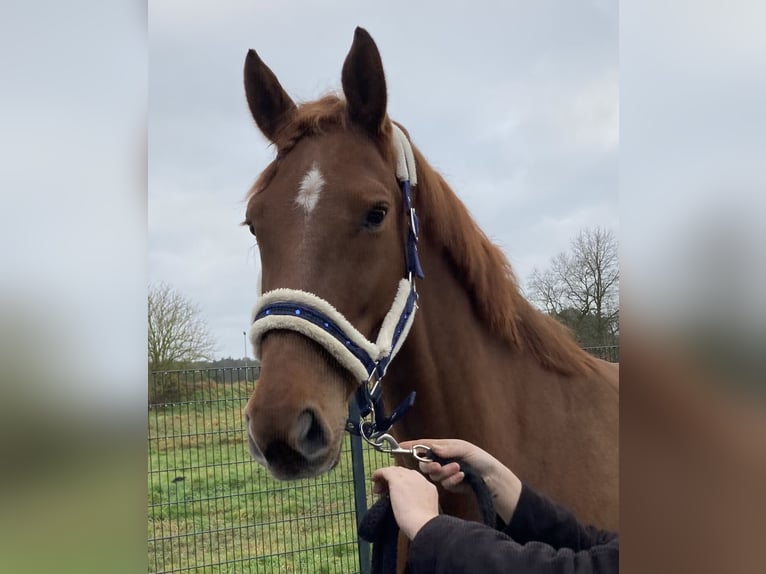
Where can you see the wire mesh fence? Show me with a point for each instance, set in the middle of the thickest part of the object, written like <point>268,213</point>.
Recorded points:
<point>213,510</point>
<point>609,353</point>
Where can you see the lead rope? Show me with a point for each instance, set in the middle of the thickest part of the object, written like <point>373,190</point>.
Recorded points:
<point>378,525</point>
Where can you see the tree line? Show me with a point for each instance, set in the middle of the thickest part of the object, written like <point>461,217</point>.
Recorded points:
<point>580,288</point>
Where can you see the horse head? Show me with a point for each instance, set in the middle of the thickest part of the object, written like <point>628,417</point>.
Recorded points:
<point>330,221</point>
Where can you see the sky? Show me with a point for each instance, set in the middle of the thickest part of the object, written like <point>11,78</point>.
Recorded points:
<point>515,103</point>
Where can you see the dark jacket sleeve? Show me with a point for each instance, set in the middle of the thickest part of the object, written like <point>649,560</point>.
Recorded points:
<point>539,519</point>
<point>449,545</point>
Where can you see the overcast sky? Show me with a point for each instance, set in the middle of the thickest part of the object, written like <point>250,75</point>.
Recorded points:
<point>516,103</point>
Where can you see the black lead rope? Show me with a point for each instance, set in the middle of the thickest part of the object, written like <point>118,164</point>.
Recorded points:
<point>379,527</point>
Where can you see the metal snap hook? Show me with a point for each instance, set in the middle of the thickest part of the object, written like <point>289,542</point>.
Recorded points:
<point>387,443</point>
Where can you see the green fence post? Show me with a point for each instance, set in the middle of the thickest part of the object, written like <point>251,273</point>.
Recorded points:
<point>360,489</point>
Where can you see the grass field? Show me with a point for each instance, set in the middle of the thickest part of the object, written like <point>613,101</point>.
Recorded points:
<point>211,509</point>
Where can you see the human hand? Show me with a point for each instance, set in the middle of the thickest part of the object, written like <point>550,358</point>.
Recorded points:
<point>504,485</point>
<point>414,500</point>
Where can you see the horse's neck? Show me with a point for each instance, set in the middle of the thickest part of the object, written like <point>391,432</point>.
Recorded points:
<point>452,358</point>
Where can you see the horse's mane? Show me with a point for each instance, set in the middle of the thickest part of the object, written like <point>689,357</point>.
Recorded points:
<point>480,264</point>
<point>489,279</point>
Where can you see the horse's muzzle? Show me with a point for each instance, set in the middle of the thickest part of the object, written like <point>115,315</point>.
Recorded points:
<point>302,451</point>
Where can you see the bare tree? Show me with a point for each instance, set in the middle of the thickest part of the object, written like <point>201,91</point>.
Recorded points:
<point>546,289</point>
<point>581,287</point>
<point>177,332</point>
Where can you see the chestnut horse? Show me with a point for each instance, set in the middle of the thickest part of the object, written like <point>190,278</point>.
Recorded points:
<point>331,222</point>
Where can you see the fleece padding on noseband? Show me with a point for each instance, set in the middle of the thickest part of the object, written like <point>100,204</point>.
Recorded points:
<point>387,331</point>
<point>361,370</point>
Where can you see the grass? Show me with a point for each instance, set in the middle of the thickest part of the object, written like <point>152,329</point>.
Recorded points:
<point>211,509</point>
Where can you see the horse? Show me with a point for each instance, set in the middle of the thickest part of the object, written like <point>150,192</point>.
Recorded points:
<point>335,230</point>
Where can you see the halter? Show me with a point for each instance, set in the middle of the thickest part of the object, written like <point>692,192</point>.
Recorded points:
<point>315,318</point>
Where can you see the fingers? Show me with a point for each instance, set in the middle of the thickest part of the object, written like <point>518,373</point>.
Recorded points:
<point>380,479</point>
<point>449,476</point>
<point>383,479</point>
<point>425,441</point>
<point>429,442</point>
<point>437,472</point>
<point>379,486</point>
<point>454,481</point>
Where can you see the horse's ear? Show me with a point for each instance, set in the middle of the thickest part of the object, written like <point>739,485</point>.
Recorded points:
<point>269,103</point>
<point>364,83</point>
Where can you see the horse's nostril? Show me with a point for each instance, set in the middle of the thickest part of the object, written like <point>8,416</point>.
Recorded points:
<point>311,439</point>
<point>314,433</point>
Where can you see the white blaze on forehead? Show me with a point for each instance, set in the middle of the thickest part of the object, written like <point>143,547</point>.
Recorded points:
<point>309,189</point>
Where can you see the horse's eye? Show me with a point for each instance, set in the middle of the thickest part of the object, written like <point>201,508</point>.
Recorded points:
<point>375,216</point>
<point>252,229</point>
